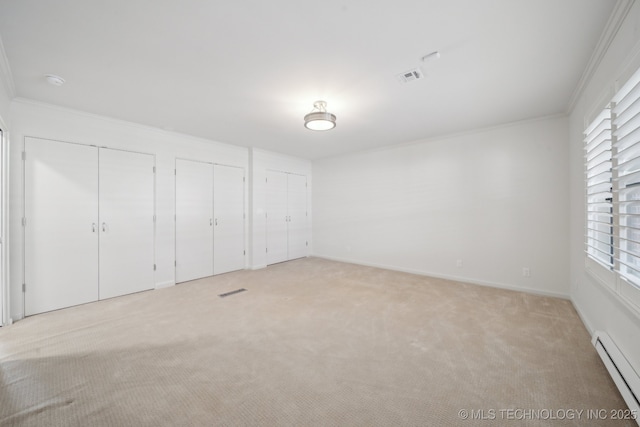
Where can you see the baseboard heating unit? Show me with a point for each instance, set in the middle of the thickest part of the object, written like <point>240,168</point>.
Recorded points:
<point>620,369</point>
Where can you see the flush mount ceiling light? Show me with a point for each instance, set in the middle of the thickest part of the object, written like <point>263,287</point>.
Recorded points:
<point>54,80</point>
<point>319,118</point>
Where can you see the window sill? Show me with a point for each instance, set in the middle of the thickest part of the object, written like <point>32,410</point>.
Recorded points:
<point>622,291</point>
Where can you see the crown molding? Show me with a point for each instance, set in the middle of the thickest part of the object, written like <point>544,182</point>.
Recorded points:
<point>616,19</point>
<point>5,73</point>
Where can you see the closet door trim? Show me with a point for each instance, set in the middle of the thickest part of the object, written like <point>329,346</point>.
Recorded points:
<point>96,221</point>
<point>51,285</point>
<point>229,253</point>
<point>204,266</point>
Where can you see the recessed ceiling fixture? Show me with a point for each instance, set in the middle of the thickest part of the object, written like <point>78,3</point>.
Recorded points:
<point>54,80</point>
<point>319,118</point>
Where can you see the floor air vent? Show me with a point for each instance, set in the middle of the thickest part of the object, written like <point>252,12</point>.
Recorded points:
<point>623,374</point>
<point>237,291</point>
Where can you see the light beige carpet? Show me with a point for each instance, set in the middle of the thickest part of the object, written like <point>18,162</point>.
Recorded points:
<point>310,343</point>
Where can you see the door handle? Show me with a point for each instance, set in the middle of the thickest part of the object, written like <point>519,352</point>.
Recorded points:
<point>93,227</point>
<point>104,227</point>
<point>210,221</point>
<point>216,222</point>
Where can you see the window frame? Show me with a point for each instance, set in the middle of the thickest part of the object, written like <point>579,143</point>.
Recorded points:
<point>616,276</point>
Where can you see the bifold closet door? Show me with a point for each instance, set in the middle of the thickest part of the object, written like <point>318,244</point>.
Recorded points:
<point>3,240</point>
<point>126,222</point>
<point>194,220</point>
<point>228,223</point>
<point>61,231</point>
<point>297,213</point>
<point>276,204</point>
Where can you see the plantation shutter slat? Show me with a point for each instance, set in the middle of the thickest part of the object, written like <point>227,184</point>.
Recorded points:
<point>626,137</point>
<point>599,191</point>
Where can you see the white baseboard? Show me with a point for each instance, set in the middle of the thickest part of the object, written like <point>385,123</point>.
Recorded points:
<point>451,277</point>
<point>165,284</point>
<point>582,317</point>
<point>621,371</point>
<point>258,267</point>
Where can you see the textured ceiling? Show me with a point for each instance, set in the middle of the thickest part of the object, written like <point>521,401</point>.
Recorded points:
<point>247,72</point>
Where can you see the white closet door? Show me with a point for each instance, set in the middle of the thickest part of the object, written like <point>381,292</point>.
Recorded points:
<point>126,222</point>
<point>297,211</point>
<point>194,220</point>
<point>276,193</point>
<point>61,233</point>
<point>3,208</point>
<point>228,223</point>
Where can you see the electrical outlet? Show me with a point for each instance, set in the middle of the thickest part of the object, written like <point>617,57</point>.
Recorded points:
<point>526,272</point>
<point>459,263</point>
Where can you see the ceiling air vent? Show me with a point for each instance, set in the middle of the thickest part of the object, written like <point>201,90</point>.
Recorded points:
<point>409,76</point>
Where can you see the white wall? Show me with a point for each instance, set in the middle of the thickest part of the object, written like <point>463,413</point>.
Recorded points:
<point>600,308</point>
<point>44,121</point>
<point>261,161</point>
<point>495,199</point>
<point>6,88</point>
<point>5,102</point>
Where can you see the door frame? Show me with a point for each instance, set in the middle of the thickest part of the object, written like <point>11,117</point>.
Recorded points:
<point>4,219</point>
<point>4,253</point>
<point>266,231</point>
<point>175,200</point>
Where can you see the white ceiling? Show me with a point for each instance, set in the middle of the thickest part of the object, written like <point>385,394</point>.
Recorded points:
<point>246,72</point>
